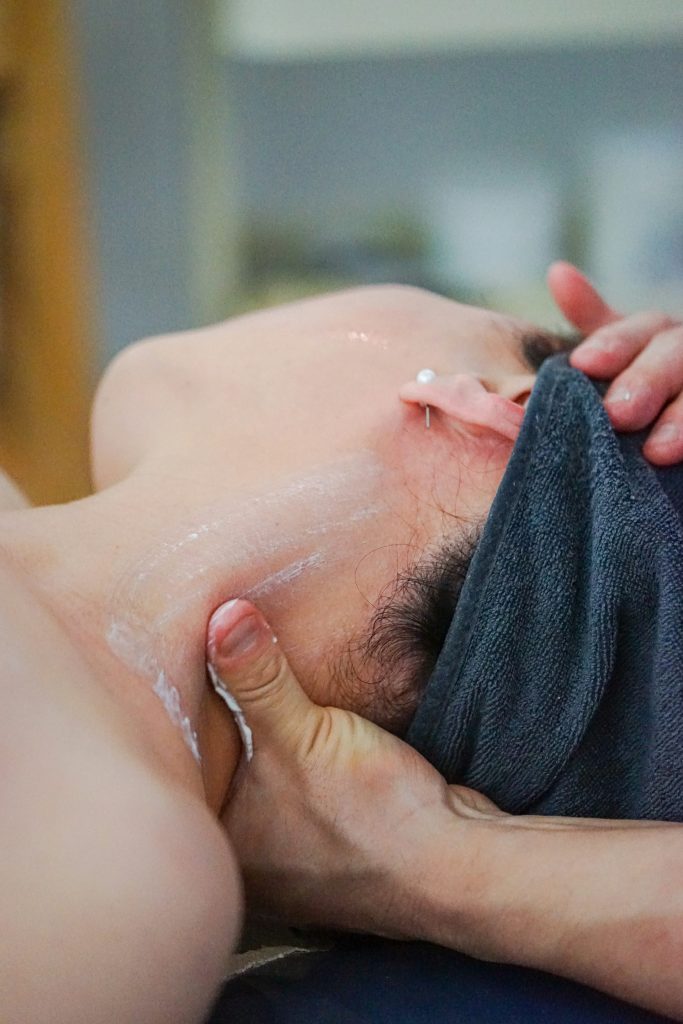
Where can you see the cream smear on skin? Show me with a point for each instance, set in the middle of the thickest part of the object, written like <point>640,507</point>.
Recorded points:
<point>183,571</point>
<point>236,711</point>
<point>124,641</point>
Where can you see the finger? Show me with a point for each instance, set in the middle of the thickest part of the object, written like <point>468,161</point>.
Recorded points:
<point>577,299</point>
<point>664,446</point>
<point>250,672</point>
<point>610,349</point>
<point>638,395</point>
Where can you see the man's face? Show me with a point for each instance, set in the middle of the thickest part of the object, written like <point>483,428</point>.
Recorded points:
<point>286,468</point>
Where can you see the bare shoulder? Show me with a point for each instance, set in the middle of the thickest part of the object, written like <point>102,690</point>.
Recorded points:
<point>116,904</point>
<point>119,895</point>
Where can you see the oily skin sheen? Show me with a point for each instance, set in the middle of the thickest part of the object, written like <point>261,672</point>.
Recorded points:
<point>269,457</point>
<point>274,448</point>
<point>111,835</point>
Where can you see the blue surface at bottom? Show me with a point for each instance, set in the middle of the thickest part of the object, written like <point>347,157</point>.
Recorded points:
<point>373,981</point>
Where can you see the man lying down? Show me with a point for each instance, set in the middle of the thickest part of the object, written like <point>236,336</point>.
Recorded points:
<point>535,657</point>
<point>284,459</point>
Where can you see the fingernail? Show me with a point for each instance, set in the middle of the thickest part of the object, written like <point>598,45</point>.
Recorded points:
<point>664,434</point>
<point>240,638</point>
<point>620,395</point>
<point>234,630</point>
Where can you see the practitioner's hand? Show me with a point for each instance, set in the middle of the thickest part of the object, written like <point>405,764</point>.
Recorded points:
<point>335,822</point>
<point>641,354</point>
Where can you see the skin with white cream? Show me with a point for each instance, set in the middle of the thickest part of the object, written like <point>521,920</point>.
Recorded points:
<point>272,457</point>
<point>186,565</point>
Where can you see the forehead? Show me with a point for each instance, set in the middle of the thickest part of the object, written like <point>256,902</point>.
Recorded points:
<point>384,318</point>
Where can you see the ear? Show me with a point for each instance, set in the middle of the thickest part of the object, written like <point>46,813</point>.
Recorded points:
<point>464,399</point>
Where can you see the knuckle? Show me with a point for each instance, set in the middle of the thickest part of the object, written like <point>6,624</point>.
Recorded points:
<point>279,672</point>
<point>652,321</point>
<point>607,329</point>
<point>633,328</point>
<point>269,678</point>
<point>608,340</point>
<point>606,334</point>
<point>672,338</point>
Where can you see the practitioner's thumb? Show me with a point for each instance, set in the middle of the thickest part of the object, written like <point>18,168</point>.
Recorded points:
<point>251,674</point>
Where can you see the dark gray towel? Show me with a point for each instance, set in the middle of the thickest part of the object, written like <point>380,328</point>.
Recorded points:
<point>559,689</point>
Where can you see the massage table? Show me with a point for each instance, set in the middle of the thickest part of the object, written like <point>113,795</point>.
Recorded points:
<point>377,981</point>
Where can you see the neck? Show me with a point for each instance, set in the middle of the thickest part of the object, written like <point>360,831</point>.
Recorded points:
<point>142,636</point>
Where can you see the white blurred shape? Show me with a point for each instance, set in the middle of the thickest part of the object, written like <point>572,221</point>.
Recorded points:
<point>635,224</point>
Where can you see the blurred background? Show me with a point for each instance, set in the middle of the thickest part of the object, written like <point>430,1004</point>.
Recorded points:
<point>166,163</point>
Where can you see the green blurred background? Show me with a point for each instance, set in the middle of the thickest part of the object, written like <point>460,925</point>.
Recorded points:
<point>166,163</point>
<point>247,151</point>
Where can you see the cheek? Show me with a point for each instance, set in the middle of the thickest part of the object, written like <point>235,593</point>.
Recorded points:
<point>449,477</point>
<point>332,599</point>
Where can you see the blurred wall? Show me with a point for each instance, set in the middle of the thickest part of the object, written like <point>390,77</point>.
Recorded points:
<point>333,143</point>
<point>133,69</point>
<point>541,132</point>
<point>379,131</point>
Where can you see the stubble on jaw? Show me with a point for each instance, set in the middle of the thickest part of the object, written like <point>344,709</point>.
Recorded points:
<point>382,670</point>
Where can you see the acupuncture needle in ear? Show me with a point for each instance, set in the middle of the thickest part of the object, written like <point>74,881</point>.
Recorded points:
<point>426,377</point>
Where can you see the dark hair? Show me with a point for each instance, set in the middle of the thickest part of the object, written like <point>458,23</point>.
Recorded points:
<point>382,672</point>
<point>537,346</point>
